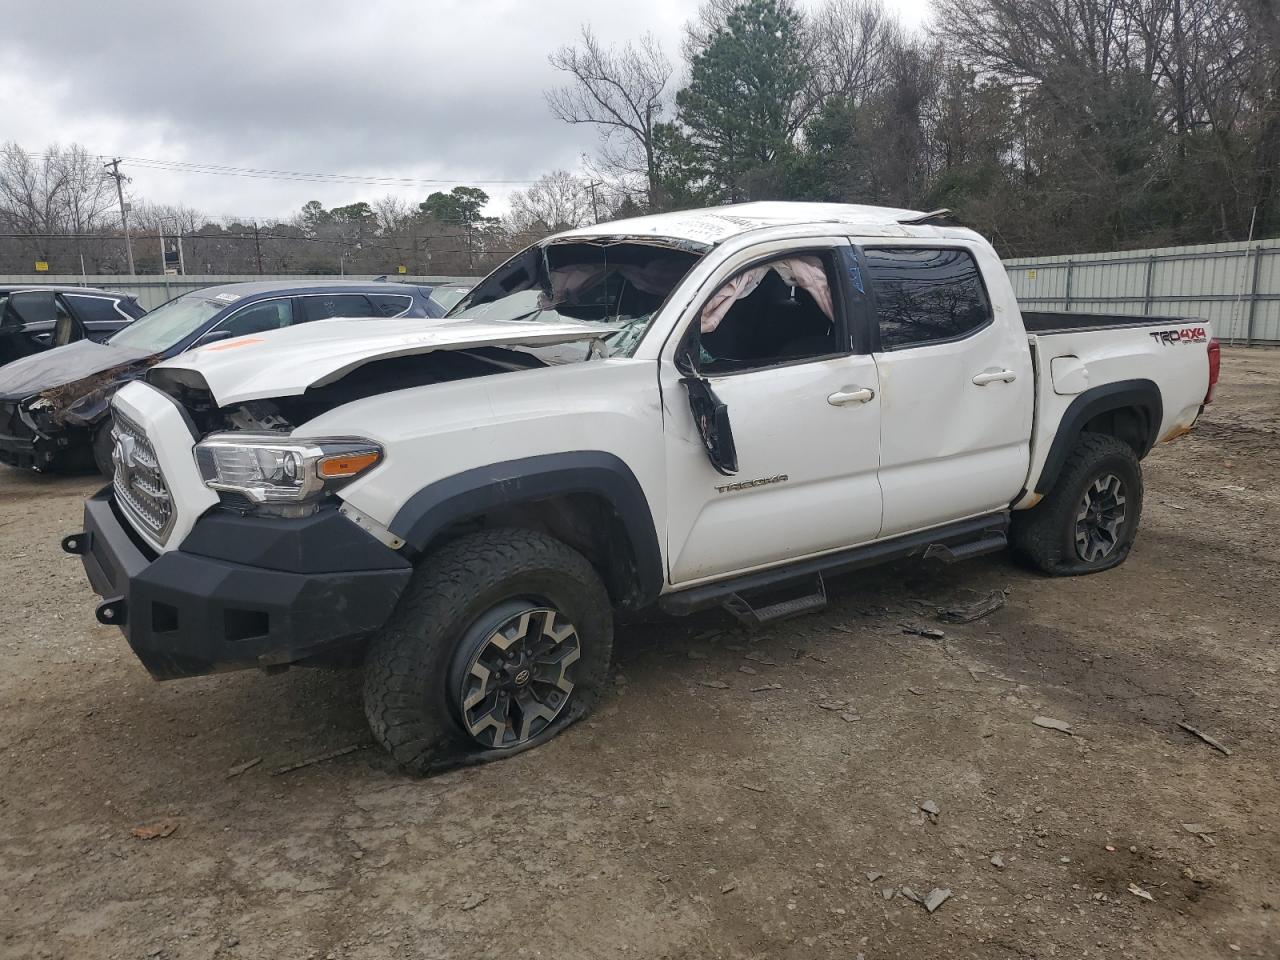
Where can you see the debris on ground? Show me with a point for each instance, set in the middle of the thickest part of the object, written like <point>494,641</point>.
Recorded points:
<point>759,658</point>
<point>1137,891</point>
<point>474,900</point>
<point>154,831</point>
<point>312,761</point>
<point>753,787</point>
<point>936,898</point>
<point>714,684</point>
<point>1051,724</point>
<point>242,767</point>
<point>749,671</point>
<point>729,888</point>
<point>1201,830</point>
<point>832,705</point>
<point>888,892</point>
<point>928,633</point>
<point>967,613</point>
<point>912,895</point>
<point>931,808</point>
<point>767,686</point>
<point>873,876</point>
<point>997,861</point>
<point>914,690</point>
<point>850,717</point>
<point>1217,745</point>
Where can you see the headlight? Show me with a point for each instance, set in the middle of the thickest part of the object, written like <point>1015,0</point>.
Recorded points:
<point>272,470</point>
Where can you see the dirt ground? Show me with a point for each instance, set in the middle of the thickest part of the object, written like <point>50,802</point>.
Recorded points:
<point>695,815</point>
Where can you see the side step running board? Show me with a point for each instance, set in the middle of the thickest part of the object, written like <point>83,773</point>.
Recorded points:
<point>975,548</point>
<point>950,542</point>
<point>741,607</point>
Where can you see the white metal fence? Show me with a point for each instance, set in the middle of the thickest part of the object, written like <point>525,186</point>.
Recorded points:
<point>1235,286</point>
<point>152,291</point>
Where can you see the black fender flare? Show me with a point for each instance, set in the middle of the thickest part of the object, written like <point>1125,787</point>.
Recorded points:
<point>474,492</point>
<point>1142,395</point>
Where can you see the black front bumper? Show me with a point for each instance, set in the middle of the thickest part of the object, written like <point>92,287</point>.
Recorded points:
<point>188,613</point>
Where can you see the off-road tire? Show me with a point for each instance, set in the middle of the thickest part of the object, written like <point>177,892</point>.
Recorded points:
<point>1045,536</point>
<point>411,709</point>
<point>102,445</point>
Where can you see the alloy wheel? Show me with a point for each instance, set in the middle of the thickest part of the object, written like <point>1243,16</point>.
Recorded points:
<point>1100,518</point>
<point>513,674</point>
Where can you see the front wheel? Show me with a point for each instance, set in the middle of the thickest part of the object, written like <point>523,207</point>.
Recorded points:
<point>102,446</point>
<point>501,639</point>
<point>1089,520</point>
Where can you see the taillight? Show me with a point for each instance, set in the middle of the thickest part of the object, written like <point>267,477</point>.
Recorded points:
<point>1215,363</point>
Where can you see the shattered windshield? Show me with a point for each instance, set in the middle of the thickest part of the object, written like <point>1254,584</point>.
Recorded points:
<point>167,325</point>
<point>619,285</point>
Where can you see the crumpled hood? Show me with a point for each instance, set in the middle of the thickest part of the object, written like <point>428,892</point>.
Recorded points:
<point>61,366</point>
<point>287,362</point>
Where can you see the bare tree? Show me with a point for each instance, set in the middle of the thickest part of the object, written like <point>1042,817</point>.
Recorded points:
<point>558,201</point>
<point>852,39</point>
<point>621,91</point>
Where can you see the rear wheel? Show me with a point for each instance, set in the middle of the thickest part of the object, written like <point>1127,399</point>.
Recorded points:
<point>501,640</point>
<point>1087,523</point>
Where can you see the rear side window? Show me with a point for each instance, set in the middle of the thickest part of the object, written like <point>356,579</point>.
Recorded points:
<point>259,318</point>
<point>386,305</point>
<point>94,309</point>
<point>926,295</point>
<point>327,306</point>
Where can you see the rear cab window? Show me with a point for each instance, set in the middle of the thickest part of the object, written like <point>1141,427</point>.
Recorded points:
<point>925,295</point>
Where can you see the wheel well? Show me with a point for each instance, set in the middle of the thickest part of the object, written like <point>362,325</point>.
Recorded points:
<point>1129,425</point>
<point>587,522</point>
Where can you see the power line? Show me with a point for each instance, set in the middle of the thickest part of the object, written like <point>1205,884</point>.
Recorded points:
<point>216,169</point>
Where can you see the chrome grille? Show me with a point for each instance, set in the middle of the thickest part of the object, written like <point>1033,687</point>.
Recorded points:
<point>138,481</point>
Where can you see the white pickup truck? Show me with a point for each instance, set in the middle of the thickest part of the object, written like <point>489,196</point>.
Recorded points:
<point>715,407</point>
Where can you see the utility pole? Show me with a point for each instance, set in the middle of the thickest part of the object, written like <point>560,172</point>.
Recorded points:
<point>113,171</point>
<point>257,243</point>
<point>595,206</point>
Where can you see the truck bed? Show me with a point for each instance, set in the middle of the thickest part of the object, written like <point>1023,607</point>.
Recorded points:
<point>1063,321</point>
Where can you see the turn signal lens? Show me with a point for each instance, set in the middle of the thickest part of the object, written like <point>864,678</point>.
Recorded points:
<point>345,466</point>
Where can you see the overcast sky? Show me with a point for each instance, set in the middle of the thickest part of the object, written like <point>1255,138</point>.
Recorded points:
<point>440,89</point>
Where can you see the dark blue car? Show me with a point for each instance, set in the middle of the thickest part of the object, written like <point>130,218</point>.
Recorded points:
<point>54,406</point>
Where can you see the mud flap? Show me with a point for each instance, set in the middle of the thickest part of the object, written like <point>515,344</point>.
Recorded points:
<point>711,416</point>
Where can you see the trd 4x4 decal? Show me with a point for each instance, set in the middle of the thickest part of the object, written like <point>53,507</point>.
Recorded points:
<point>1185,335</point>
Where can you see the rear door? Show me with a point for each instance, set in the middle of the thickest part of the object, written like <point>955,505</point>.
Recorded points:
<point>956,384</point>
<point>802,405</point>
<point>35,320</point>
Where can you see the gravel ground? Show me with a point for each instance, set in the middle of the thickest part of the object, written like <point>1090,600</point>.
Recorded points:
<point>696,815</point>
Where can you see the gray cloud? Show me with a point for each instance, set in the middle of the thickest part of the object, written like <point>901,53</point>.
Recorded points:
<point>445,88</point>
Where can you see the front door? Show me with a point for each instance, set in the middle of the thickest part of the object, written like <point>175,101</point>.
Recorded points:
<point>956,386</point>
<point>769,336</point>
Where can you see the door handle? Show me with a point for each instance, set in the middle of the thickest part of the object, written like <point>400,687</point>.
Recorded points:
<point>843,398</point>
<point>992,376</point>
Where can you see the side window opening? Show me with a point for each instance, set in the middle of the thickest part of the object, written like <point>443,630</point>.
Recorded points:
<point>389,305</point>
<point>327,306</point>
<point>95,309</point>
<point>259,318</point>
<point>776,312</point>
<point>926,295</point>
